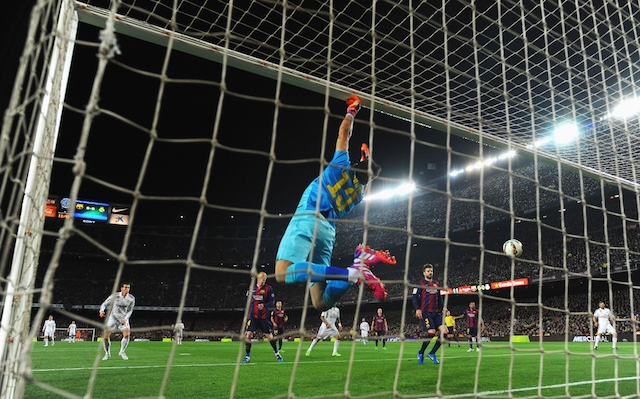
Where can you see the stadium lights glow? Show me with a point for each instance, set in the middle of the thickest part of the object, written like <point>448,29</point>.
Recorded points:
<point>484,163</point>
<point>627,108</point>
<point>403,189</point>
<point>565,133</point>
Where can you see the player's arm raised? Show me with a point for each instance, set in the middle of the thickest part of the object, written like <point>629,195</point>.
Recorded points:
<point>346,127</point>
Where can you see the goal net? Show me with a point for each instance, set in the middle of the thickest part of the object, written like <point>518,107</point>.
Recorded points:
<point>166,144</point>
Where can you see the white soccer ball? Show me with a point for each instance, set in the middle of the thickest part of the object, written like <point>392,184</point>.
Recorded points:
<point>512,248</point>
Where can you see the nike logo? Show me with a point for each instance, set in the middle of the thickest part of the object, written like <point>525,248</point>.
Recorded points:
<point>118,210</point>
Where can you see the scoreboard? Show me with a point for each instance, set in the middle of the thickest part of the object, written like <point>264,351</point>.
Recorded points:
<point>87,211</point>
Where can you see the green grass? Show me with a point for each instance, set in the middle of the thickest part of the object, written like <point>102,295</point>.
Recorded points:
<point>208,370</point>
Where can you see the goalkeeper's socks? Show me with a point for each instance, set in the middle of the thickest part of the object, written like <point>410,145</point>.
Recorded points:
<point>320,273</point>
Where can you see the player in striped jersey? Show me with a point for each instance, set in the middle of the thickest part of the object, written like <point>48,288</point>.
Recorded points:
<point>278,318</point>
<point>308,241</point>
<point>262,297</point>
<point>380,327</point>
<point>473,320</point>
<point>428,304</point>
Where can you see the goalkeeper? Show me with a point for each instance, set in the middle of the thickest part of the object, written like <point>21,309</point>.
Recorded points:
<point>334,194</point>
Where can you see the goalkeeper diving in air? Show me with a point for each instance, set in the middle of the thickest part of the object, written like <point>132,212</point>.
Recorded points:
<point>334,193</point>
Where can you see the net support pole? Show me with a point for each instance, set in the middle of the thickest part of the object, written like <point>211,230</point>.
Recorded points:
<point>16,311</point>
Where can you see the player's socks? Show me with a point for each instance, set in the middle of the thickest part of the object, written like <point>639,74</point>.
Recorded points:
<point>424,346</point>
<point>435,347</point>
<point>123,344</point>
<point>46,341</point>
<point>334,291</point>
<point>52,341</point>
<point>595,346</point>
<point>106,344</point>
<point>320,272</point>
<point>336,344</point>
<point>313,343</point>
<point>248,348</point>
<point>614,341</point>
<point>273,345</point>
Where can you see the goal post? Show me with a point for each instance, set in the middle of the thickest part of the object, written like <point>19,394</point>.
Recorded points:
<point>51,65</point>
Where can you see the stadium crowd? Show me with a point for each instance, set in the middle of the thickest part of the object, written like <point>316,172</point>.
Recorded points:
<point>606,242</point>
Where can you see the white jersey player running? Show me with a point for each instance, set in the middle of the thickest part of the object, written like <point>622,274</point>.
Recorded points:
<point>48,331</point>
<point>602,319</point>
<point>72,332</point>
<point>364,331</point>
<point>123,304</point>
<point>328,329</point>
<point>179,330</point>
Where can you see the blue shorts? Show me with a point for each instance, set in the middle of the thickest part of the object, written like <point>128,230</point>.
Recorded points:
<point>265,325</point>
<point>297,241</point>
<point>380,333</point>
<point>431,321</point>
<point>278,331</point>
<point>473,331</point>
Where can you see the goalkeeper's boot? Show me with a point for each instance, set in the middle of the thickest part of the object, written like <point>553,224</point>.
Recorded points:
<point>371,282</point>
<point>369,256</point>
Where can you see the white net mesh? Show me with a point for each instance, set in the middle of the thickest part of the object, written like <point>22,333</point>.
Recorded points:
<point>209,162</point>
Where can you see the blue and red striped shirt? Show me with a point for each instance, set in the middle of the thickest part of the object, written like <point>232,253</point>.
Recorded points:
<point>427,297</point>
<point>261,295</point>
<point>378,322</point>
<point>278,317</point>
<point>472,317</point>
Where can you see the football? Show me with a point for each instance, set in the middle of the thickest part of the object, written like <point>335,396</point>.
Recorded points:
<point>512,248</point>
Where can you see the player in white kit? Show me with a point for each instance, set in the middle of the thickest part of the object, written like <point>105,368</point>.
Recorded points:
<point>602,319</point>
<point>123,304</point>
<point>328,329</point>
<point>364,331</point>
<point>179,329</point>
<point>48,331</point>
<point>72,332</point>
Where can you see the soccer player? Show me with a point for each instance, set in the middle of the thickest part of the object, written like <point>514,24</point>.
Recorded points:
<point>179,332</point>
<point>72,331</point>
<point>428,304</point>
<point>450,322</point>
<point>307,243</point>
<point>278,318</point>
<point>364,331</point>
<point>473,320</point>
<point>48,330</point>
<point>328,329</point>
<point>262,297</point>
<point>603,319</point>
<point>123,303</point>
<point>380,328</point>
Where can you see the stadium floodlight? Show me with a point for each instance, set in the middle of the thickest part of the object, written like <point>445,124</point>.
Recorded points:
<point>565,133</point>
<point>627,108</point>
<point>401,190</point>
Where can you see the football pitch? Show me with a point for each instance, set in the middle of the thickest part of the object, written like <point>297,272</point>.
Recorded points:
<point>209,370</point>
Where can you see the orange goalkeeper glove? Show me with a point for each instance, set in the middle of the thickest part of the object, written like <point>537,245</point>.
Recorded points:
<point>353,105</point>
